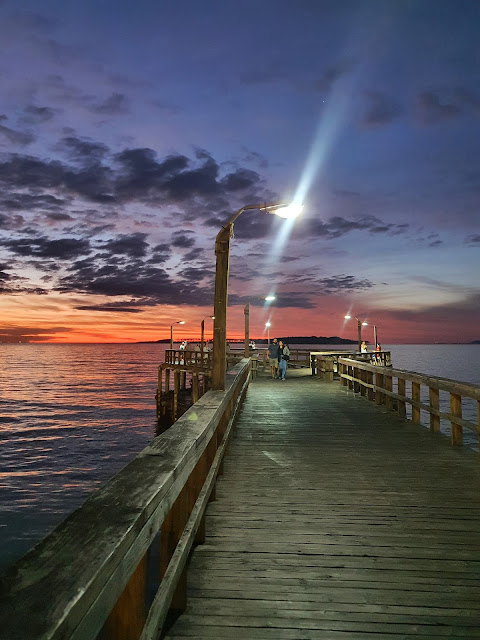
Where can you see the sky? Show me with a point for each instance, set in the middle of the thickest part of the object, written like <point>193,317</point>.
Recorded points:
<point>131,131</point>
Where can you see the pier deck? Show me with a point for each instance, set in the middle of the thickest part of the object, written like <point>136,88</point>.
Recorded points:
<point>336,519</point>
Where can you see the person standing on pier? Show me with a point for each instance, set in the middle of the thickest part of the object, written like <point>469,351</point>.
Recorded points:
<point>283,357</point>
<point>273,357</point>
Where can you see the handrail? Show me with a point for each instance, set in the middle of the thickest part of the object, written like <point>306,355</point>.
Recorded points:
<point>359,376</point>
<point>189,358</point>
<point>93,565</point>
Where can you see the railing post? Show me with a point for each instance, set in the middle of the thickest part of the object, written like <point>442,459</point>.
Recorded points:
<point>401,403</point>
<point>170,533</point>
<point>379,395</point>
<point>356,386</point>
<point>388,387</point>
<point>127,618</point>
<point>370,392</point>
<point>434,397</point>
<point>362,376</point>
<point>456,436</point>
<point>415,398</point>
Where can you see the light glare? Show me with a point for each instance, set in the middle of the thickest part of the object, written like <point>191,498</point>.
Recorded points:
<point>290,211</point>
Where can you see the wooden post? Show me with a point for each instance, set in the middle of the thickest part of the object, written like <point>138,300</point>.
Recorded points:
<point>194,387</point>
<point>127,618</point>
<point>246,311</point>
<point>222,251</point>
<point>176,385</point>
<point>159,393</point>
<point>370,392</point>
<point>171,530</point>
<point>388,387</point>
<point>456,436</point>
<point>362,376</point>
<point>434,397</point>
<point>379,395</point>
<point>356,386</point>
<point>401,407</point>
<point>415,398</point>
<point>211,451</point>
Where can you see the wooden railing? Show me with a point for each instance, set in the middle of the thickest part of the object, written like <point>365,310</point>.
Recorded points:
<point>89,575</point>
<point>189,359</point>
<point>388,387</point>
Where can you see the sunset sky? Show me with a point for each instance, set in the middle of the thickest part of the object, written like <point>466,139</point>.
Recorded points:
<point>131,131</point>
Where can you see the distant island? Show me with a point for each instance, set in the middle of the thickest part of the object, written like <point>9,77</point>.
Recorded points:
<point>288,339</point>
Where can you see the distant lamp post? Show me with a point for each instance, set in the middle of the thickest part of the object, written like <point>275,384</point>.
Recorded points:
<point>360,324</point>
<point>246,311</point>
<point>268,325</point>
<point>222,251</point>
<point>202,327</point>
<point>171,331</point>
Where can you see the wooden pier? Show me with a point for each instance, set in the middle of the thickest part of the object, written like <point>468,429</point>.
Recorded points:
<point>336,519</point>
<point>274,510</point>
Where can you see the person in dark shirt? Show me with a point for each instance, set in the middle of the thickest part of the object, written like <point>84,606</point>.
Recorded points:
<point>273,357</point>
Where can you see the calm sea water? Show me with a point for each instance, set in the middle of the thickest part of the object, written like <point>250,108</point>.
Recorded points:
<point>71,416</point>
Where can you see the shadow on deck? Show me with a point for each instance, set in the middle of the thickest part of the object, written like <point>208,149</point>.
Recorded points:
<point>336,519</point>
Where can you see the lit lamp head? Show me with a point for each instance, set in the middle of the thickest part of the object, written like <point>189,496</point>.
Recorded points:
<point>268,324</point>
<point>289,211</point>
<point>270,298</point>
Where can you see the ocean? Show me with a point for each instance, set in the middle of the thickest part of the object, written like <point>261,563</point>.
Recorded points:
<point>72,415</point>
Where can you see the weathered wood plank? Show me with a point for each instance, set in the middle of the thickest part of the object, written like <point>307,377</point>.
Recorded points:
<point>335,519</point>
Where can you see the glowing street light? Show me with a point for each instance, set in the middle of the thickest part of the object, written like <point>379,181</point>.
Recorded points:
<point>268,325</point>
<point>171,331</point>
<point>222,251</point>
<point>360,324</point>
<point>202,327</point>
<point>246,311</point>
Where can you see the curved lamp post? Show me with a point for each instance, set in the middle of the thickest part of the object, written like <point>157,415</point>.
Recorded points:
<point>246,312</point>
<point>222,251</point>
<point>171,331</point>
<point>360,324</point>
<point>202,327</point>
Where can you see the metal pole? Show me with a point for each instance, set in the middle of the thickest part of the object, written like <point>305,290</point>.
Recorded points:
<point>268,336</point>
<point>222,251</point>
<point>246,311</point>
<point>375,335</point>
<point>359,329</point>
<point>171,336</point>
<point>202,327</point>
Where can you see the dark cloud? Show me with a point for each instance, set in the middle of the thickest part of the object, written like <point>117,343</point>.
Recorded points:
<point>432,107</point>
<point>133,245</point>
<point>473,240</point>
<point>26,201</point>
<point>137,175</point>
<point>35,115</point>
<point>381,110</point>
<point>337,226</point>
<point>17,334</point>
<point>62,248</point>
<point>9,222</point>
<point>183,239</point>
<point>83,150</point>
<point>116,104</point>
<point>141,281</point>
<point>112,307</point>
<point>20,138</point>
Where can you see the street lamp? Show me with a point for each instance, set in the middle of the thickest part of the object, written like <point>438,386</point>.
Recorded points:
<point>246,311</point>
<point>171,331</point>
<point>360,324</point>
<point>268,325</point>
<point>222,252</point>
<point>202,326</point>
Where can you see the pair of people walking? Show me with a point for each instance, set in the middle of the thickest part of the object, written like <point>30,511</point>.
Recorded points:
<point>278,355</point>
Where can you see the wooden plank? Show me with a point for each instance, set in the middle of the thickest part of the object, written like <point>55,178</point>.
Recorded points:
<point>334,519</point>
